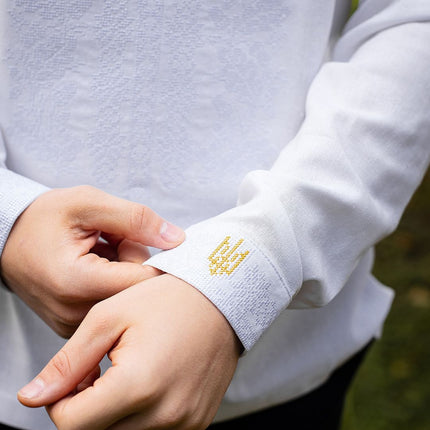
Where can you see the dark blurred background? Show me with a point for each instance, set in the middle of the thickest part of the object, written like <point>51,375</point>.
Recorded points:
<point>392,389</point>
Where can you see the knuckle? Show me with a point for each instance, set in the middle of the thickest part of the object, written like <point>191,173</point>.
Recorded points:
<point>83,190</point>
<point>149,392</point>
<point>139,218</point>
<point>174,415</point>
<point>193,421</point>
<point>195,417</point>
<point>96,312</point>
<point>60,363</point>
<point>100,318</point>
<point>74,195</point>
<point>178,415</point>
<point>80,202</point>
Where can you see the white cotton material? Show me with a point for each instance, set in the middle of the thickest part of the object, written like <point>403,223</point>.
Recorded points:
<point>285,148</point>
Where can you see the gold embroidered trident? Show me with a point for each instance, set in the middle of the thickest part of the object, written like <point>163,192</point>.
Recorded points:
<point>224,259</point>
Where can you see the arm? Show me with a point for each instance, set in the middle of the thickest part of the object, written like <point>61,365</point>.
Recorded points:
<point>54,261</point>
<point>337,189</point>
<point>51,255</point>
<point>295,237</point>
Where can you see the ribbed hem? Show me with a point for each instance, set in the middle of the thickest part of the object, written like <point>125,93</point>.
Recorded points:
<point>16,193</point>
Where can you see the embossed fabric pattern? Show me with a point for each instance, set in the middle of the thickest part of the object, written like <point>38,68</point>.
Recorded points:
<point>285,147</point>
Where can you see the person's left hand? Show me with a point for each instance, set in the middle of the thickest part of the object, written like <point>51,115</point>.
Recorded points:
<point>173,356</point>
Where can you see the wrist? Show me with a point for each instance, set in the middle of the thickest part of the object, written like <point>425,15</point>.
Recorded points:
<point>210,317</point>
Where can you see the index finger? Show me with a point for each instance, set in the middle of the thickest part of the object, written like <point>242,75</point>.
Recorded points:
<point>75,361</point>
<point>97,407</point>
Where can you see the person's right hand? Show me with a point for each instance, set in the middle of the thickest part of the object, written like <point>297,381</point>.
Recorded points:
<point>56,263</point>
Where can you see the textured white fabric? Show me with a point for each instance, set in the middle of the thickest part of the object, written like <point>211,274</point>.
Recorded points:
<point>16,193</point>
<point>192,107</point>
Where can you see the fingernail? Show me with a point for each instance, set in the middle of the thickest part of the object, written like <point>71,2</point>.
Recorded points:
<point>171,233</point>
<point>33,389</point>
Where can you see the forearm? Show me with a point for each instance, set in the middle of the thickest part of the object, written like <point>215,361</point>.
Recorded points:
<point>338,188</point>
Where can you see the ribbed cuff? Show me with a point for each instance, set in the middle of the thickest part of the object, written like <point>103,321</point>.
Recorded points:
<point>236,274</point>
<point>16,193</point>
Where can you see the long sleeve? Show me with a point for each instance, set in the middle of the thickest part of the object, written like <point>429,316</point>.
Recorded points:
<point>338,187</point>
<point>16,193</point>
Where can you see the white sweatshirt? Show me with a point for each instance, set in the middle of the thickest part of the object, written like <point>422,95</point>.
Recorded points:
<point>286,149</point>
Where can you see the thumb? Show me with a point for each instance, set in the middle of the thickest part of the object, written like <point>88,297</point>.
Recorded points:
<point>95,210</point>
<point>75,362</point>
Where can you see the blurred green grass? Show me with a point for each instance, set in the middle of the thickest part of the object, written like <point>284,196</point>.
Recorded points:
<point>392,388</point>
<point>354,5</point>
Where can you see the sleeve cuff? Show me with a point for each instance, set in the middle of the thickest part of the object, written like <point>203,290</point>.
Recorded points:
<point>232,271</point>
<point>16,193</point>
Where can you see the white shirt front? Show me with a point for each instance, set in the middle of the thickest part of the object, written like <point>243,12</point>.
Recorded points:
<point>286,150</point>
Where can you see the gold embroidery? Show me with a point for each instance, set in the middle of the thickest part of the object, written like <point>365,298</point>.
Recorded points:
<point>224,259</point>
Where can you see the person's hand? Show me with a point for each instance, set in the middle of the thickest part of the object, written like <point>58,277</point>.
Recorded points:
<point>173,356</point>
<point>56,261</point>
